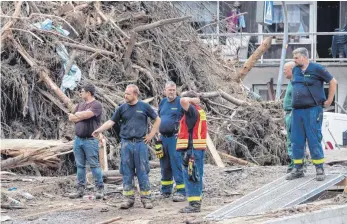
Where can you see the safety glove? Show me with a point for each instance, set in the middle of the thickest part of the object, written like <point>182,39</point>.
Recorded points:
<point>159,149</point>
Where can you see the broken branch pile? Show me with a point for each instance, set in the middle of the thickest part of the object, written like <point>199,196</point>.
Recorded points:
<point>47,45</point>
<point>25,152</point>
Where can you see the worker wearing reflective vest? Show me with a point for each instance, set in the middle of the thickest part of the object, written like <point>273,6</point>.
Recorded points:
<point>191,142</point>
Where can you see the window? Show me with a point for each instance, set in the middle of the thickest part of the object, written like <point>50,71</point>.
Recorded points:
<point>263,92</point>
<point>298,19</point>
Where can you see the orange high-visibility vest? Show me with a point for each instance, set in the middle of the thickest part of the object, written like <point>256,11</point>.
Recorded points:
<point>199,132</point>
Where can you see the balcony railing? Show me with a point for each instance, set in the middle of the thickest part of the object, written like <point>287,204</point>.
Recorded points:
<point>214,39</point>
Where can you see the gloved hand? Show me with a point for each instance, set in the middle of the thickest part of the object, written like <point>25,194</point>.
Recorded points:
<point>193,172</point>
<point>159,149</point>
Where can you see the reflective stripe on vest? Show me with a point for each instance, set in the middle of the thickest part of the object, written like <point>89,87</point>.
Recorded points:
<point>199,132</point>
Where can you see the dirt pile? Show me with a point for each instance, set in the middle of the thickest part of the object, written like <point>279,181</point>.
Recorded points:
<point>47,45</point>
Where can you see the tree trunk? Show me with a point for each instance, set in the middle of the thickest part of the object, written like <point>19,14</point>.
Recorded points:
<point>254,57</point>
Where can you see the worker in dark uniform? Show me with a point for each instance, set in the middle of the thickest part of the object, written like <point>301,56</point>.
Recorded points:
<point>191,142</point>
<point>134,152</point>
<point>170,113</point>
<point>308,99</point>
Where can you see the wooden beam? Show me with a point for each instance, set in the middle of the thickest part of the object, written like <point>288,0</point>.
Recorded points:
<point>248,65</point>
<point>235,159</point>
<point>110,220</point>
<point>231,99</point>
<point>87,48</point>
<point>103,155</point>
<point>160,23</point>
<point>214,152</point>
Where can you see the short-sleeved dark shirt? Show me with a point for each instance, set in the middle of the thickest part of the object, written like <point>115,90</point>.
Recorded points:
<point>310,80</point>
<point>133,119</point>
<point>170,114</point>
<point>85,128</point>
<point>191,119</point>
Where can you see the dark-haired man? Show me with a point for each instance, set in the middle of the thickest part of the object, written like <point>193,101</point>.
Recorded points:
<point>87,118</point>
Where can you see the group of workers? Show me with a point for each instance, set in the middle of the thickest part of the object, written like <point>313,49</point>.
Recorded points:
<point>182,128</point>
<point>180,145</point>
<point>303,104</point>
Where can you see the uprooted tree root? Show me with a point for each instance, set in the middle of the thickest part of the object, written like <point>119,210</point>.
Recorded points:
<point>115,44</point>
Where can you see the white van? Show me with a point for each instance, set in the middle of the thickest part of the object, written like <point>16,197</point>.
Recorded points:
<point>334,125</point>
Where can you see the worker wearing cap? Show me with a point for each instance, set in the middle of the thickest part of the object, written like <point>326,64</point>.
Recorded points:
<point>133,117</point>
<point>170,113</point>
<point>287,106</point>
<point>191,142</point>
<point>308,99</point>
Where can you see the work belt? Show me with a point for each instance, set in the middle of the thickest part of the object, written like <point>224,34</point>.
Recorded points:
<point>169,135</point>
<point>85,138</point>
<point>133,139</point>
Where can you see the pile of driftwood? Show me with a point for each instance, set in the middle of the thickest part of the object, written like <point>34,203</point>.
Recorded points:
<point>115,44</point>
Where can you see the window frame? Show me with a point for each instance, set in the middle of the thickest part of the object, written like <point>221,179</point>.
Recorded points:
<point>312,19</point>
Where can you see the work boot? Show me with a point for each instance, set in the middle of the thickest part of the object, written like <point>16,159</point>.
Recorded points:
<point>79,193</point>
<point>127,203</point>
<point>166,195</point>
<point>193,207</point>
<point>99,192</point>
<point>147,204</point>
<point>320,175</point>
<point>178,197</point>
<point>296,173</point>
<point>289,169</point>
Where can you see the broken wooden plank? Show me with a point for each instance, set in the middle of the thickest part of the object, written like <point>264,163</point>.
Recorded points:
<point>103,155</point>
<point>214,152</point>
<point>235,159</point>
<point>111,220</point>
<point>18,144</point>
<point>231,98</point>
<point>160,23</point>
<point>90,49</point>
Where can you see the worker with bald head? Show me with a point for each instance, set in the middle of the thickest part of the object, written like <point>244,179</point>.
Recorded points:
<point>133,117</point>
<point>287,106</point>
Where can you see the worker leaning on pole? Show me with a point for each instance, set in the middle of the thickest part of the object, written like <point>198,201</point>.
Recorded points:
<point>308,100</point>
<point>191,142</point>
<point>133,117</point>
<point>170,113</point>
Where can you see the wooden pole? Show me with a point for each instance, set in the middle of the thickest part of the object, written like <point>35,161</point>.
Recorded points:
<point>214,152</point>
<point>103,155</point>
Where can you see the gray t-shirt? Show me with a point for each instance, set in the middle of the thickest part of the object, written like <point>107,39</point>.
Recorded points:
<point>85,128</point>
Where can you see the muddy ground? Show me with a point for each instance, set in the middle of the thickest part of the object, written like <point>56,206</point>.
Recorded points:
<point>51,205</point>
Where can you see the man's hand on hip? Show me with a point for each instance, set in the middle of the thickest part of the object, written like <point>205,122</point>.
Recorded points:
<point>327,103</point>
<point>96,133</point>
<point>148,138</point>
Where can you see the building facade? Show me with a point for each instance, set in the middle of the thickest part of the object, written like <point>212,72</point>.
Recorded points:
<point>237,29</point>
